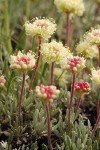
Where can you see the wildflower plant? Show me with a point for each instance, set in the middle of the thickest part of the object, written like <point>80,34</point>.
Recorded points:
<point>2,81</point>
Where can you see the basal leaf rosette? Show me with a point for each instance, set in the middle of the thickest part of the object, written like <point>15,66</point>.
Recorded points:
<point>42,27</point>
<point>2,81</point>
<point>87,50</point>
<point>70,6</point>
<point>54,52</point>
<point>81,88</point>
<point>23,62</point>
<point>93,36</point>
<point>96,75</point>
<point>74,63</point>
<point>47,93</point>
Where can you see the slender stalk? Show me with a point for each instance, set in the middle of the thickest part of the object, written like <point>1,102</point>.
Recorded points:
<point>67,29</point>
<point>37,63</point>
<point>99,57</point>
<point>20,102</point>
<point>27,6</point>
<point>98,108</point>
<point>96,125</point>
<point>7,28</point>
<point>52,73</point>
<point>71,100</point>
<point>49,129</point>
<point>78,105</point>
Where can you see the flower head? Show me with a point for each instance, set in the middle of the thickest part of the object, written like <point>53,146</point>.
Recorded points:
<point>74,64</point>
<point>22,61</point>
<point>96,76</point>
<point>93,36</point>
<point>47,93</point>
<point>81,88</point>
<point>54,51</point>
<point>40,27</point>
<point>2,81</point>
<point>87,50</point>
<point>70,6</point>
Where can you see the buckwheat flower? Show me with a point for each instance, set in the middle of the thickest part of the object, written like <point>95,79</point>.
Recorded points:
<point>23,62</point>
<point>93,36</point>
<point>70,6</point>
<point>74,64</point>
<point>54,51</point>
<point>47,93</point>
<point>96,76</point>
<point>82,88</point>
<point>2,81</point>
<point>87,50</point>
<point>40,27</point>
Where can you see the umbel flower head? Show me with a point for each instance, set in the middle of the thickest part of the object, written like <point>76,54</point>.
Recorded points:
<point>54,51</point>
<point>23,62</point>
<point>93,36</point>
<point>40,27</point>
<point>87,50</point>
<point>70,6</point>
<point>2,81</point>
<point>96,76</point>
<point>47,93</point>
<point>74,64</point>
<point>82,88</point>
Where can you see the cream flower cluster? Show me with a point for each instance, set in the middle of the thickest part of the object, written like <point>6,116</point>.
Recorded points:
<point>22,61</point>
<point>70,6</point>
<point>2,81</point>
<point>93,36</point>
<point>41,27</point>
<point>74,64</point>
<point>54,51</point>
<point>96,76</point>
<point>82,88</point>
<point>87,50</point>
<point>47,93</point>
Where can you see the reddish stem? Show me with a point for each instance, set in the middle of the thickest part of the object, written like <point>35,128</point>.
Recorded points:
<point>71,99</point>
<point>52,72</point>
<point>20,102</point>
<point>37,63</point>
<point>99,57</point>
<point>49,129</point>
<point>78,105</point>
<point>67,29</point>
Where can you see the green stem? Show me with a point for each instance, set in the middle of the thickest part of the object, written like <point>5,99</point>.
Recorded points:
<point>7,24</point>
<point>28,4</point>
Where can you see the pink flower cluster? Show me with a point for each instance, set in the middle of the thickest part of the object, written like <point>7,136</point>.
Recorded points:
<point>76,64</point>
<point>2,81</point>
<point>47,93</point>
<point>81,87</point>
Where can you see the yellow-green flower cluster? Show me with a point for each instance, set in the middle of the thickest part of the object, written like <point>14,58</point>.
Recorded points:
<point>87,50</point>
<point>2,81</point>
<point>23,62</point>
<point>54,51</point>
<point>70,6</point>
<point>93,36</point>
<point>63,78</point>
<point>40,27</point>
<point>96,76</point>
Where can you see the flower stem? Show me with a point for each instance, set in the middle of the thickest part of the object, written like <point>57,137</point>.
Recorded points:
<point>78,105</point>
<point>71,100</point>
<point>67,29</point>
<point>99,58</point>
<point>20,102</point>
<point>27,6</point>
<point>49,129</point>
<point>7,28</point>
<point>52,73</point>
<point>37,63</point>
<point>98,108</point>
